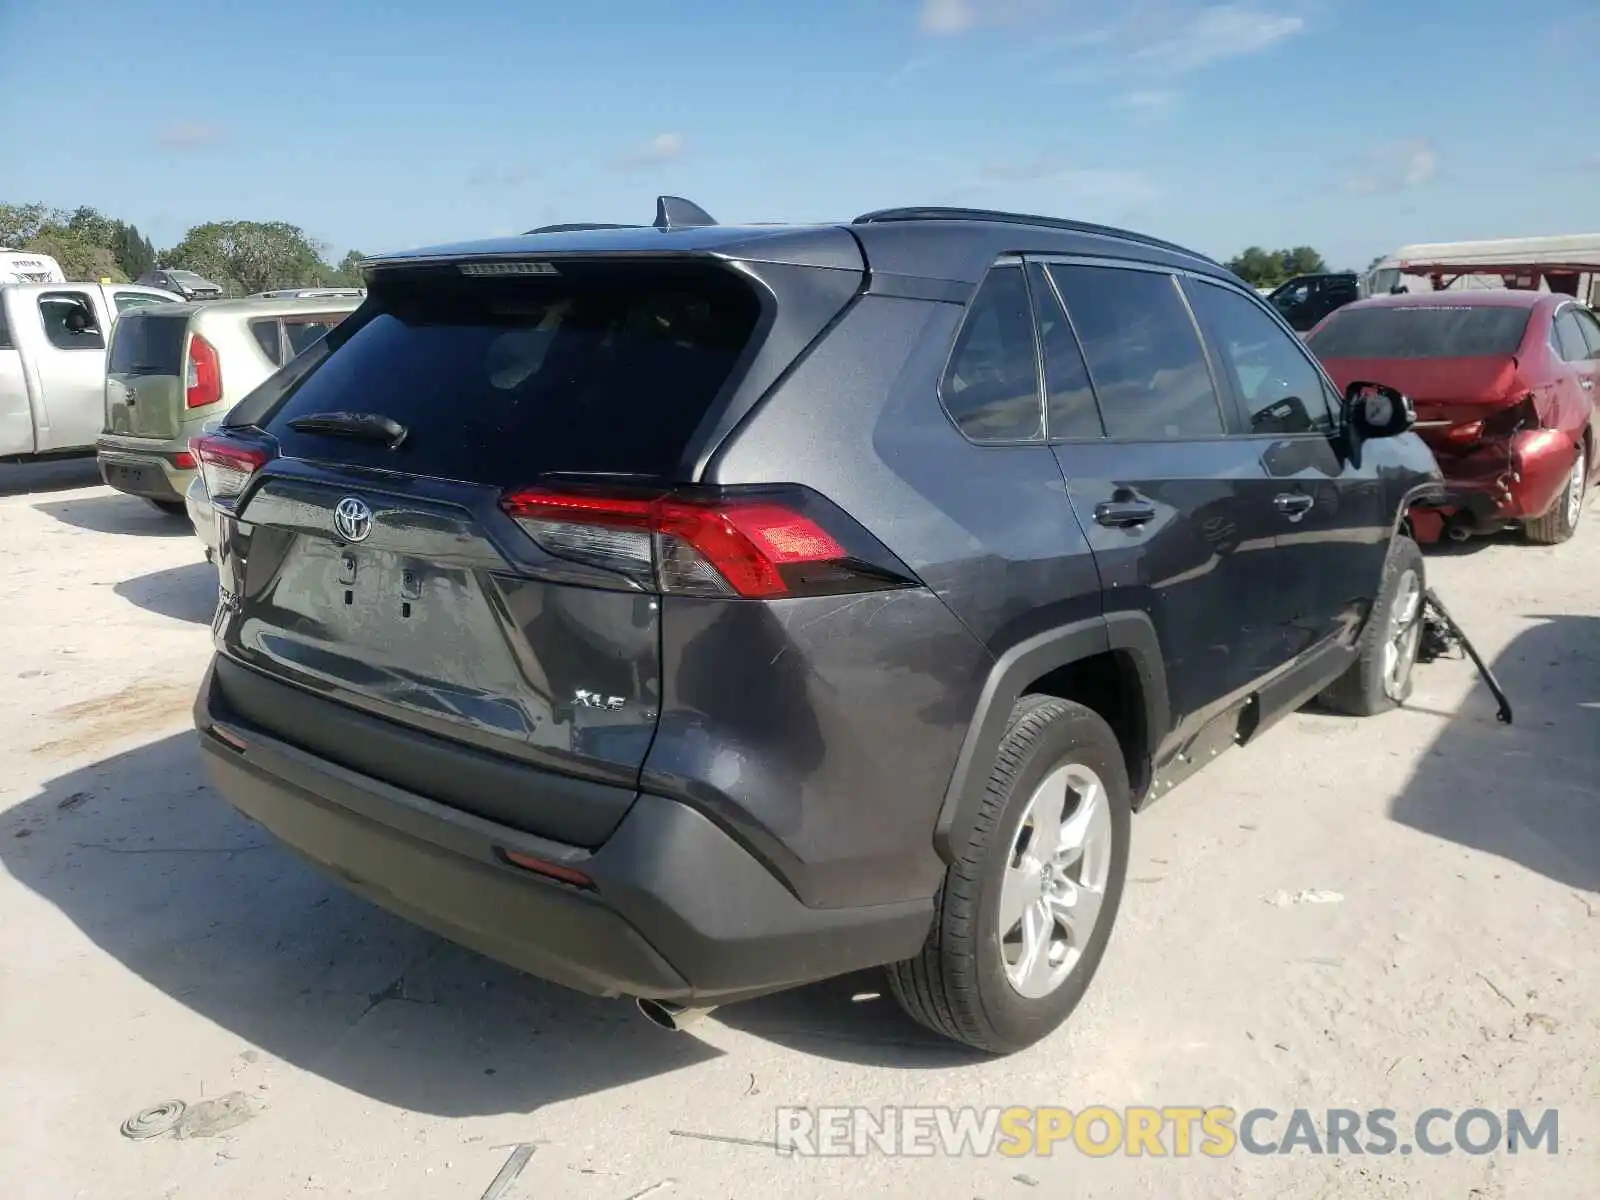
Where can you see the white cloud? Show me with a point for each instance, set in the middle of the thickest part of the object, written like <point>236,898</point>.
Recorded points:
<point>1151,102</point>
<point>663,148</point>
<point>1165,37</point>
<point>1396,167</point>
<point>184,137</point>
<point>500,176</point>
<point>1220,32</point>
<point>944,17</point>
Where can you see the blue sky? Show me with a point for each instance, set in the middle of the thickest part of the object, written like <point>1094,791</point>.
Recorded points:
<point>1352,125</point>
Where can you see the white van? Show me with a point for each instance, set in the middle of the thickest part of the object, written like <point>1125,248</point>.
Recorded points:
<point>26,266</point>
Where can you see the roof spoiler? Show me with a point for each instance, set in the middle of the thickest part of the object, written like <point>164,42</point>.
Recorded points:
<point>672,212</point>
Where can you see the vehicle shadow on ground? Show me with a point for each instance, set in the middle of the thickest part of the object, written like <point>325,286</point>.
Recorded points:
<point>186,593</point>
<point>22,479</point>
<point>113,512</point>
<point>157,871</point>
<point>1529,793</point>
<point>143,857</point>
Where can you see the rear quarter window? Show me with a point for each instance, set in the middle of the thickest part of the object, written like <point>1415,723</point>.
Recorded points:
<point>606,369</point>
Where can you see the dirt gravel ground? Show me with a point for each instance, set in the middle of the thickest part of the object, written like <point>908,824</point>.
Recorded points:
<point>153,946</point>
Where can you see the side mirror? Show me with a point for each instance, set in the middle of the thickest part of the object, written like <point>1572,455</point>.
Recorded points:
<point>1378,411</point>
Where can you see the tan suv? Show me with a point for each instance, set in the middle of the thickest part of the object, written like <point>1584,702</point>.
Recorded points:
<point>173,367</point>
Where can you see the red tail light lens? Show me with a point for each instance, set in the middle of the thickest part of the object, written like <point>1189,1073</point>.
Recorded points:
<point>203,383</point>
<point>227,464</point>
<point>718,544</point>
<point>1464,435</point>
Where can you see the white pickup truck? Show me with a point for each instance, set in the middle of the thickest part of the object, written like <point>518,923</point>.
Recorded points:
<point>53,363</point>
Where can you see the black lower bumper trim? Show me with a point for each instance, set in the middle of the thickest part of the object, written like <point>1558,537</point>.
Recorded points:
<point>680,911</point>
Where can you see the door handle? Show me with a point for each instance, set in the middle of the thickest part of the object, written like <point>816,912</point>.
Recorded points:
<point>1123,514</point>
<point>1293,505</point>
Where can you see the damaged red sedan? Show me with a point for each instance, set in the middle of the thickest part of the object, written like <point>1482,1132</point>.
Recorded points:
<point>1505,385</point>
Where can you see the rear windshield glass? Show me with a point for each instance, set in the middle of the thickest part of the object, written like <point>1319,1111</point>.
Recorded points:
<point>1419,331</point>
<point>147,344</point>
<point>501,380</point>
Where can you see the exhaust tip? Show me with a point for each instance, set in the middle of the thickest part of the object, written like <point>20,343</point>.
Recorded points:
<point>668,1015</point>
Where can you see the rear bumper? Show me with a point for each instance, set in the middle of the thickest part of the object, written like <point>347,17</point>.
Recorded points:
<point>1511,479</point>
<point>201,513</point>
<point>149,471</point>
<point>679,910</point>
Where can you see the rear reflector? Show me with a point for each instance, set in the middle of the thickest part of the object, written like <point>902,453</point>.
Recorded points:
<point>718,543</point>
<point>549,870</point>
<point>227,464</point>
<point>183,460</point>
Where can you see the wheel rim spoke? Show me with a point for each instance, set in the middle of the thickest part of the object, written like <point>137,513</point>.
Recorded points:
<point>1018,889</point>
<point>1053,888</point>
<point>1034,968</point>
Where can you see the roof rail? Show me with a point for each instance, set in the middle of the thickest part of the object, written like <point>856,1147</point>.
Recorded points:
<point>934,213</point>
<point>578,227</point>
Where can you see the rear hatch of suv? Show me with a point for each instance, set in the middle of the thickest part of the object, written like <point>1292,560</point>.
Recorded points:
<point>448,510</point>
<point>145,385</point>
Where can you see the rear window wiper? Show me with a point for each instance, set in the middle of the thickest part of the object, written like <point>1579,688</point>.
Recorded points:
<point>362,427</point>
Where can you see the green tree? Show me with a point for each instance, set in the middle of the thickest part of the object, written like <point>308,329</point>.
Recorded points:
<point>133,251</point>
<point>250,256</point>
<point>21,223</point>
<point>1257,267</point>
<point>348,272</point>
<point>1302,260</point>
<point>1268,268</point>
<point>80,258</point>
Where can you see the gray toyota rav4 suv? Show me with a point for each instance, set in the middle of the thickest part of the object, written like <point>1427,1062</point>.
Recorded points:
<point>686,612</point>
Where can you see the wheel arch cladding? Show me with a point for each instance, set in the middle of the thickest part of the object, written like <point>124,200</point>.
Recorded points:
<point>1055,661</point>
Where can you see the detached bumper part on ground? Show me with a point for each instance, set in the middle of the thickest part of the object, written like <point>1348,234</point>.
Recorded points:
<point>649,927</point>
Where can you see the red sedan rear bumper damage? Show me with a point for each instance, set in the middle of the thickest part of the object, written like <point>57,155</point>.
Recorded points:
<point>1497,482</point>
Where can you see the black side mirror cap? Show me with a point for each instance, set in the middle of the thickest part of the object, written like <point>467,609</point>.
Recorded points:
<point>1375,410</point>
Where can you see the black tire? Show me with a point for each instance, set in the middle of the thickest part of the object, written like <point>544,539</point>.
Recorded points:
<point>958,986</point>
<point>1561,522</point>
<point>1364,690</point>
<point>173,508</point>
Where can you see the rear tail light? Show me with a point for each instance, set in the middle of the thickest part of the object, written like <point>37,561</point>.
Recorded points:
<point>228,463</point>
<point>1464,435</point>
<point>203,382</point>
<point>735,544</point>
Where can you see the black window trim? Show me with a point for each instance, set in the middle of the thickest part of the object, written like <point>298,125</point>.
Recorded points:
<point>1225,407</point>
<point>1241,407</point>
<point>1033,260</point>
<point>1008,262</point>
<point>277,325</point>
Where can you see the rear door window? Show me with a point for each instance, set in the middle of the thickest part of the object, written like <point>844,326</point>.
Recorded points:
<point>1281,389</point>
<point>1569,339</point>
<point>126,300</point>
<point>1590,325</point>
<point>604,368</point>
<point>302,331</point>
<point>1143,351</point>
<point>70,322</point>
<point>991,385</point>
<point>147,343</point>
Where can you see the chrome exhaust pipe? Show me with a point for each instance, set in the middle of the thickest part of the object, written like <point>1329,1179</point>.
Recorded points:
<point>669,1015</point>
